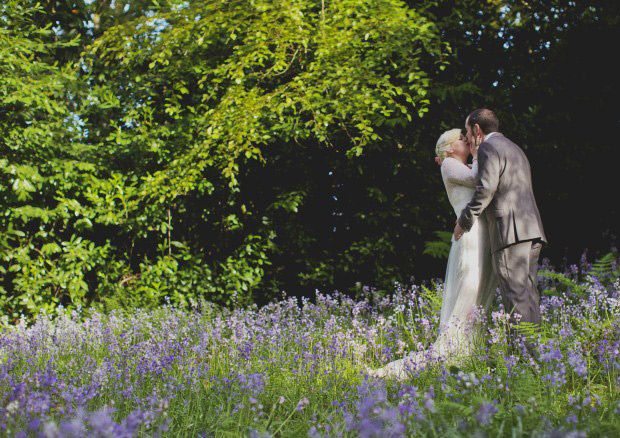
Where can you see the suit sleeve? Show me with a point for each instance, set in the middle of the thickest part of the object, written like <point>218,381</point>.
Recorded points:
<point>489,168</point>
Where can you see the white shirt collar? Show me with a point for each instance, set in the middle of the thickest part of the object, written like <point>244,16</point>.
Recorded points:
<point>486,137</point>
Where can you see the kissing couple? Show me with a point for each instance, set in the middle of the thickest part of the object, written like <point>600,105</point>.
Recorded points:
<point>497,240</point>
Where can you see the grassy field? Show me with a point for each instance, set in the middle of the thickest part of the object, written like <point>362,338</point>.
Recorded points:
<point>296,368</point>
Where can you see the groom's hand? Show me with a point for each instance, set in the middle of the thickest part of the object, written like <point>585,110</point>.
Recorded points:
<point>458,231</point>
<point>473,150</point>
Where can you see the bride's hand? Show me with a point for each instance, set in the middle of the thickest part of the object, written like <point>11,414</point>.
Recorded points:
<point>438,161</point>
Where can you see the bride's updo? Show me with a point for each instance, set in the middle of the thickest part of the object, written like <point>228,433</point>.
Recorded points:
<point>445,142</point>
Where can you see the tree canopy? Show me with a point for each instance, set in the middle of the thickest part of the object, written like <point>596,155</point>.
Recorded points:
<point>231,150</point>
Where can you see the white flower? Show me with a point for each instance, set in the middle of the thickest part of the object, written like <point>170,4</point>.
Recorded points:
<point>12,407</point>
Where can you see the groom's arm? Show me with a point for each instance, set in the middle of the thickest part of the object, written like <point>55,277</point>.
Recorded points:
<point>489,168</point>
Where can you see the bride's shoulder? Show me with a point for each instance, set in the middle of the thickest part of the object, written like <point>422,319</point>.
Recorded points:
<point>450,162</point>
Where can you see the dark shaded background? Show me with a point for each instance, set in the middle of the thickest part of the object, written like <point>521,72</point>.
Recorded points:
<point>548,70</point>
<point>552,79</point>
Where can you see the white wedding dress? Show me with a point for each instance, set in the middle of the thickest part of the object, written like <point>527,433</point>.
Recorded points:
<point>470,281</point>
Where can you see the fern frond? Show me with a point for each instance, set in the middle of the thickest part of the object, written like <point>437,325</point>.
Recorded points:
<point>447,407</point>
<point>531,330</point>
<point>439,248</point>
<point>605,266</point>
<point>432,298</point>
<point>563,280</point>
<point>526,328</point>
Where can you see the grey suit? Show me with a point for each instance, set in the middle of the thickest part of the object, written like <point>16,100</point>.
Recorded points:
<point>504,193</point>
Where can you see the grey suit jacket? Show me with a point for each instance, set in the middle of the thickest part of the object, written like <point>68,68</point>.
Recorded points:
<point>504,193</point>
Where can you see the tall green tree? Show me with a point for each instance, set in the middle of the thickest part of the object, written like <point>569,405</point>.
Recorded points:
<point>160,126</point>
<point>211,96</point>
<point>41,146</point>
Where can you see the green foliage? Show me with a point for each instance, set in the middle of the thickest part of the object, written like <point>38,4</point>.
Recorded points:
<point>125,170</point>
<point>433,299</point>
<point>448,407</point>
<point>439,248</point>
<point>561,284</point>
<point>532,331</point>
<point>606,268</point>
<point>41,263</point>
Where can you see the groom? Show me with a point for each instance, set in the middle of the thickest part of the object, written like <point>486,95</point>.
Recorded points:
<point>504,193</point>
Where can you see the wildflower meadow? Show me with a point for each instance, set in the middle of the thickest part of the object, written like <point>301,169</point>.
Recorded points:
<point>296,368</point>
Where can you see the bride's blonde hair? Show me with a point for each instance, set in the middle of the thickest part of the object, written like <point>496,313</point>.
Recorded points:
<point>444,144</point>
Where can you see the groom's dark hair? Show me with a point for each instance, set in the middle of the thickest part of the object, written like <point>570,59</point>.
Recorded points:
<point>485,118</point>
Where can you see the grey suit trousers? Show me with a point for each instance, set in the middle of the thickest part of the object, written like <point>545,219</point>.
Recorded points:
<point>516,267</point>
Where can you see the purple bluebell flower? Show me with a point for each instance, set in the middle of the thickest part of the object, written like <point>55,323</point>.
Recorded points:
<point>485,414</point>
<point>301,404</point>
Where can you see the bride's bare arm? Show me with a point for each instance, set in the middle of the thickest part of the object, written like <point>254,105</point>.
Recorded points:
<point>458,173</point>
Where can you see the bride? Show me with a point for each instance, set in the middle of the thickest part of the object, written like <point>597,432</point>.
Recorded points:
<point>470,281</point>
